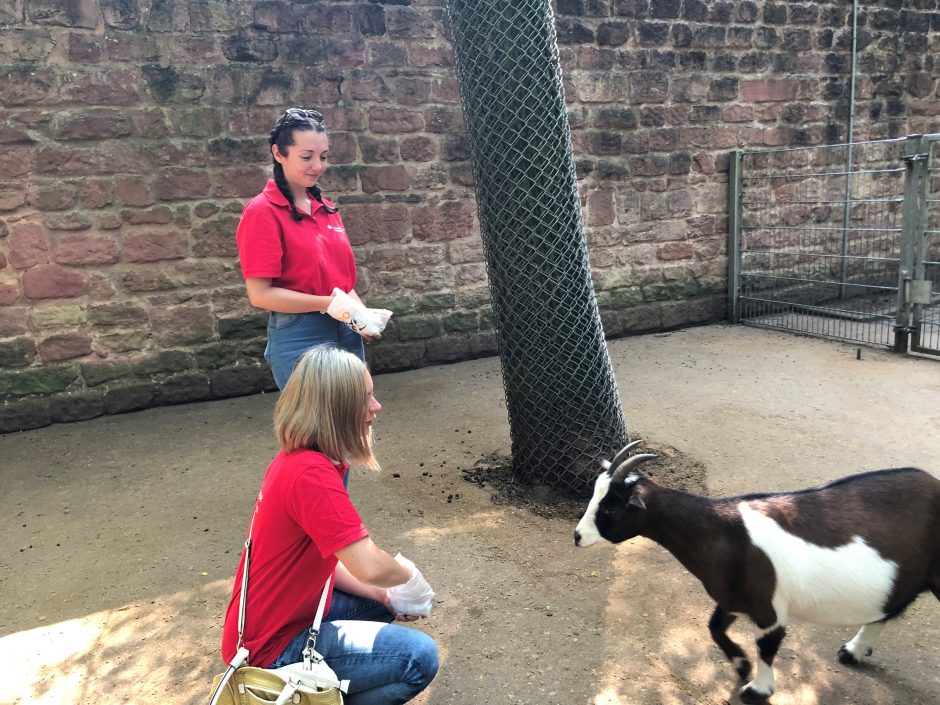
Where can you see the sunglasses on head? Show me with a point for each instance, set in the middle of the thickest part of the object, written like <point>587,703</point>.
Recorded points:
<point>304,114</point>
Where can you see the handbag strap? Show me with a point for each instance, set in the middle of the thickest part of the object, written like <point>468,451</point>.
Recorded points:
<point>310,656</point>
<point>243,597</point>
<point>243,603</point>
<point>241,653</point>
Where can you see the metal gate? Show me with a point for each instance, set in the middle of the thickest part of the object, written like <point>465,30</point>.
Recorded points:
<point>839,241</point>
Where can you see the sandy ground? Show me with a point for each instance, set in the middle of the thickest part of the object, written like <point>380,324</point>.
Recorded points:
<point>121,534</point>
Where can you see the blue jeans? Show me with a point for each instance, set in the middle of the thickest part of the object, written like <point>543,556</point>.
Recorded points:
<point>290,335</point>
<point>386,664</point>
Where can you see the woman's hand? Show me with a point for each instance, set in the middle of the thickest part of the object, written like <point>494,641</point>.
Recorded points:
<point>398,617</point>
<point>349,309</point>
<point>368,337</point>
<point>347,582</point>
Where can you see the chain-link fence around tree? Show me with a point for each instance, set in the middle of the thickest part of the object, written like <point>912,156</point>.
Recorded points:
<point>564,410</point>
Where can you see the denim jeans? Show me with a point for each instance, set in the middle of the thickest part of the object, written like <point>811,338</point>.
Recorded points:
<point>290,335</point>
<point>386,664</point>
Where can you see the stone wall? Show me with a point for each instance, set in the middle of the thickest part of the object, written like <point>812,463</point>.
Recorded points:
<point>132,132</point>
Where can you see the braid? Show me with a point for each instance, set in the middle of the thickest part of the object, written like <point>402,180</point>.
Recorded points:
<point>315,192</point>
<point>281,183</point>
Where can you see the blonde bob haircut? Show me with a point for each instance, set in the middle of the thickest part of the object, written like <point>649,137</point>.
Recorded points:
<point>324,407</point>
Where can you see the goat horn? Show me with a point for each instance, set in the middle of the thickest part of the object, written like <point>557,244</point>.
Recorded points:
<point>624,452</point>
<point>632,462</point>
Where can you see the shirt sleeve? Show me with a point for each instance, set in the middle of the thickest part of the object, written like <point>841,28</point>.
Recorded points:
<point>320,504</point>
<point>260,246</point>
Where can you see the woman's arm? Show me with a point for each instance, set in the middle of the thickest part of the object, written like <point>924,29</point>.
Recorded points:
<point>347,582</point>
<point>262,294</point>
<point>369,564</point>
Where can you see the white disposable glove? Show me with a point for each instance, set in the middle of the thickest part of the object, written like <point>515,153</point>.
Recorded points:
<point>345,309</point>
<point>414,597</point>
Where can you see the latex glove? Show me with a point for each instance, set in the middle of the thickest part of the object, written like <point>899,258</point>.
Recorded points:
<point>364,321</point>
<point>413,597</point>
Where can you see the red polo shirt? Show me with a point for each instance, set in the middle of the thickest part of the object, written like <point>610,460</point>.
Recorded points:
<point>312,255</point>
<point>303,516</point>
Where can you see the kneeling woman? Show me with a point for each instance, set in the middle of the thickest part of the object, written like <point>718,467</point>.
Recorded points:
<point>305,529</point>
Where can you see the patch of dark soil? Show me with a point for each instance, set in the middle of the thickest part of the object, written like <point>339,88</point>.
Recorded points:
<point>671,468</point>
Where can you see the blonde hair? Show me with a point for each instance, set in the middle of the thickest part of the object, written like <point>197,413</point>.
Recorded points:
<point>324,407</point>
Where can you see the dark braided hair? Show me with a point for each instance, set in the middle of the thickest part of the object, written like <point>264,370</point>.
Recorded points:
<point>282,135</point>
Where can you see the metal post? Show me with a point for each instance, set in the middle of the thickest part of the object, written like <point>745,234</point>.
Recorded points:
<point>849,165</point>
<point>921,287</point>
<point>734,237</point>
<point>915,160</point>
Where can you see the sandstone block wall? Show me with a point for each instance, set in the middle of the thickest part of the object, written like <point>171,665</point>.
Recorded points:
<point>132,132</point>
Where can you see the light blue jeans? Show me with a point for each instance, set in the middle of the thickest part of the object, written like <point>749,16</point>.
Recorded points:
<point>290,335</point>
<point>386,664</point>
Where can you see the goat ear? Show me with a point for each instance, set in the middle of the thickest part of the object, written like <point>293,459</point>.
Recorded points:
<point>636,500</point>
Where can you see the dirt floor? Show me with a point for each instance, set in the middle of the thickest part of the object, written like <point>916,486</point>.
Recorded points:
<point>121,534</point>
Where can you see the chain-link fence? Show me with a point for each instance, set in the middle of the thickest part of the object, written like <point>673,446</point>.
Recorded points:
<point>564,410</point>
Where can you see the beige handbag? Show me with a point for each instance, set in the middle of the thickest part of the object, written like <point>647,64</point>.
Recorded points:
<point>248,685</point>
<point>310,682</point>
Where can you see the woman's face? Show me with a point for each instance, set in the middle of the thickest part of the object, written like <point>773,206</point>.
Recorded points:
<point>305,160</point>
<point>372,405</point>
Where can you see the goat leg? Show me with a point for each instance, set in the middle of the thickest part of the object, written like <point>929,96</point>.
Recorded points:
<point>718,626</point>
<point>762,687</point>
<point>860,646</point>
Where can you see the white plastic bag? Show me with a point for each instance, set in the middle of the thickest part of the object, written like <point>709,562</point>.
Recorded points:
<point>361,319</point>
<point>414,597</point>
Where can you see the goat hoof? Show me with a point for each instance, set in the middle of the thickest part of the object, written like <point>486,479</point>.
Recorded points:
<point>847,658</point>
<point>752,696</point>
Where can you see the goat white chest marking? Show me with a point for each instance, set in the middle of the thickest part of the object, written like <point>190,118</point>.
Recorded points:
<point>844,585</point>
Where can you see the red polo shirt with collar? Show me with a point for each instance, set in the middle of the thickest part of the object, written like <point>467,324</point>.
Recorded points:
<point>311,255</point>
<point>303,516</point>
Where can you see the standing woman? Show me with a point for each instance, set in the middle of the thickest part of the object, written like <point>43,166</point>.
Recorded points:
<point>294,250</point>
<point>305,530</point>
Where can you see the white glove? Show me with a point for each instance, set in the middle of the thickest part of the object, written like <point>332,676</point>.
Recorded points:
<point>413,597</point>
<point>345,309</point>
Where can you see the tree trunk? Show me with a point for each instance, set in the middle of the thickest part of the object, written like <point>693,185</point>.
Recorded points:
<point>564,410</point>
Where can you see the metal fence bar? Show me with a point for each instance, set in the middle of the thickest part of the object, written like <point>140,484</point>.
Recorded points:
<point>734,230</point>
<point>818,254</point>
<point>810,229</point>
<point>839,202</point>
<point>807,148</point>
<point>820,281</point>
<point>827,173</point>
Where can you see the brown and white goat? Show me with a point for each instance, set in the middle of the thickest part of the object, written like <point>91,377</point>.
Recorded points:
<point>858,550</point>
